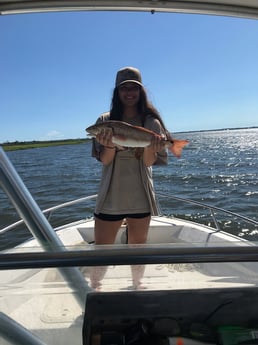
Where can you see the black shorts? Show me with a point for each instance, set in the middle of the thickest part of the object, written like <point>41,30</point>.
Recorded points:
<point>115,217</point>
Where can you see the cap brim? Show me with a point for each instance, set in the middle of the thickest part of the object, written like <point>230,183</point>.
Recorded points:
<point>130,81</point>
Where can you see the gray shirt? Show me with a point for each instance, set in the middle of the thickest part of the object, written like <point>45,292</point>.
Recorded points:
<point>126,185</point>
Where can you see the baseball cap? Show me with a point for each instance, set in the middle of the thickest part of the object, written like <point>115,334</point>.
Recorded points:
<point>128,75</point>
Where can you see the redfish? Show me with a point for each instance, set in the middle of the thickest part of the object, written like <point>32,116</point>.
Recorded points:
<point>126,135</point>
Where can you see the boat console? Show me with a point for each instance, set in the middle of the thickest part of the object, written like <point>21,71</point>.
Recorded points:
<point>171,317</point>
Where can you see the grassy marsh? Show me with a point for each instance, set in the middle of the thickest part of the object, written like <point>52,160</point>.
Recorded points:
<point>38,144</point>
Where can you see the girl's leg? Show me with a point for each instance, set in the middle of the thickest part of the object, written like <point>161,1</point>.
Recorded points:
<point>137,234</point>
<point>138,229</point>
<point>105,233</point>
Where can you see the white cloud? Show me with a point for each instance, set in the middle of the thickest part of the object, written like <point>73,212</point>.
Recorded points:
<point>53,135</point>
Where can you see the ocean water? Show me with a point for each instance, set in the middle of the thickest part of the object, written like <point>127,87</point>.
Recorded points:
<point>217,167</point>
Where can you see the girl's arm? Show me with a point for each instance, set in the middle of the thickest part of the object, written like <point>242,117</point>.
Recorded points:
<point>108,152</point>
<point>150,152</point>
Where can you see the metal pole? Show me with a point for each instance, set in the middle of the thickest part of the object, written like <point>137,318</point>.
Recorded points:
<point>37,223</point>
<point>15,333</point>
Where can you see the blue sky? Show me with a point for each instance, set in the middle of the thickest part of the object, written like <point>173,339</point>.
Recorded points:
<point>58,70</point>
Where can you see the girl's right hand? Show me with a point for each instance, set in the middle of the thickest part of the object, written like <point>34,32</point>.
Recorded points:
<point>105,138</point>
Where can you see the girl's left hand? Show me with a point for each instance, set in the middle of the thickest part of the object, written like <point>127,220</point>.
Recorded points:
<point>157,144</point>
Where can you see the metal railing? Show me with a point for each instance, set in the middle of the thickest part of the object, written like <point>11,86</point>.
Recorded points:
<point>212,209</point>
<point>126,255</point>
<point>50,211</point>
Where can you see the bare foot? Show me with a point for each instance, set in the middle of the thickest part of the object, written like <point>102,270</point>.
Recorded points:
<point>96,275</point>
<point>139,286</point>
<point>96,286</point>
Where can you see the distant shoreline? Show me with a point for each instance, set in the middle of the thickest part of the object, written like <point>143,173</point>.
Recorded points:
<point>24,145</point>
<point>218,130</point>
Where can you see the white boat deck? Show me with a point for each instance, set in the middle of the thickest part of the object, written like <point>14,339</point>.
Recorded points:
<point>49,302</point>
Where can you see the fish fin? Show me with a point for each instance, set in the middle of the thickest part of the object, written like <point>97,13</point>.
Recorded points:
<point>177,147</point>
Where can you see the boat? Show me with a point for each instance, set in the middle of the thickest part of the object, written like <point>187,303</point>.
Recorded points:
<point>200,281</point>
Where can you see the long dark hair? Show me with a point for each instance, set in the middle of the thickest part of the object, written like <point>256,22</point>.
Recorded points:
<point>145,108</point>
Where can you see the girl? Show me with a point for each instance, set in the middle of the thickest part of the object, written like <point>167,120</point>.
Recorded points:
<point>126,188</point>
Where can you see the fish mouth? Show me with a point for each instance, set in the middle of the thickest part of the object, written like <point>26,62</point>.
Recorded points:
<point>90,130</point>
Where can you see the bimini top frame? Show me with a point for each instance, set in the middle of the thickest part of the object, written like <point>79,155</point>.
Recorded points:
<point>237,8</point>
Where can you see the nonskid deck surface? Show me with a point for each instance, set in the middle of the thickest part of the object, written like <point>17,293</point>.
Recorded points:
<point>46,305</point>
<point>42,300</point>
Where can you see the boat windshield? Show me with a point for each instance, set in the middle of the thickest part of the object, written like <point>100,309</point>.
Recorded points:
<point>195,280</point>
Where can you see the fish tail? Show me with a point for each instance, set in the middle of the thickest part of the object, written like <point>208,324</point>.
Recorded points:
<point>177,147</point>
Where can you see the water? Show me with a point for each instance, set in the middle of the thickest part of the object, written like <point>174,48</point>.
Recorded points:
<point>218,167</point>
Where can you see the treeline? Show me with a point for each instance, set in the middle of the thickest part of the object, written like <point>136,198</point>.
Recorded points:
<point>23,145</point>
